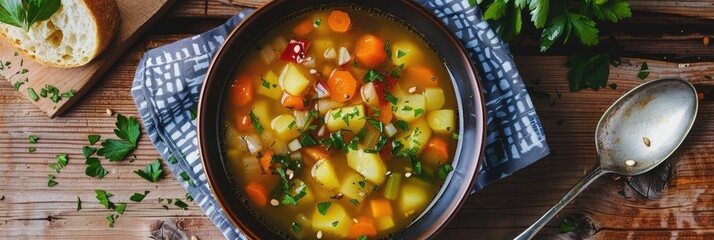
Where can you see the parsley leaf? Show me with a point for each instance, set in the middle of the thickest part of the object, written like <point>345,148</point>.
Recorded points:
<point>612,10</point>
<point>40,11</point>
<point>94,168</point>
<point>644,71</point>
<point>444,170</point>
<point>51,183</point>
<point>322,207</point>
<point>256,123</point>
<point>93,139</point>
<point>388,50</point>
<point>33,139</point>
<point>372,76</point>
<point>120,208</point>
<point>364,237</point>
<point>180,204</point>
<point>584,28</point>
<point>152,173</point>
<point>103,198</point>
<point>187,178</point>
<point>79,204</point>
<point>127,130</point>
<point>296,227</point>
<point>138,197</point>
<point>355,201</point>
<point>401,124</point>
<point>401,53</point>
<point>589,70</point>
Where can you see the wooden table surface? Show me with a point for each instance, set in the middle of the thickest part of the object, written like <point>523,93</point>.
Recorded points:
<point>679,202</point>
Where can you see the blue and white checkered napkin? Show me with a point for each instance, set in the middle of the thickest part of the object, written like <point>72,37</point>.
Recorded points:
<point>168,81</point>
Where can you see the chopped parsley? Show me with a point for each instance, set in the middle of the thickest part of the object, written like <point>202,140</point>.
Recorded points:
<point>120,208</point>
<point>152,173</point>
<point>33,139</point>
<point>362,183</point>
<point>256,123</point>
<point>371,76</point>
<point>401,124</point>
<point>401,53</point>
<point>264,83</point>
<point>51,183</point>
<point>388,50</point>
<point>418,112</point>
<point>363,237</point>
<point>93,139</point>
<point>188,179</point>
<point>391,98</point>
<point>354,202</point>
<point>138,197</point>
<point>79,204</point>
<point>334,224</point>
<point>317,23</point>
<point>296,227</point>
<point>322,207</point>
<point>127,129</point>
<point>455,136</point>
<point>33,94</point>
<point>103,198</point>
<point>17,85</point>
<point>444,170</point>
<point>644,71</point>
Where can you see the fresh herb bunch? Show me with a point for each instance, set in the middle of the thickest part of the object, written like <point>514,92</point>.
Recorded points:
<point>559,19</point>
<point>24,13</point>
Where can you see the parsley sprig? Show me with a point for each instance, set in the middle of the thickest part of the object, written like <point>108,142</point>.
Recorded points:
<point>128,131</point>
<point>24,13</point>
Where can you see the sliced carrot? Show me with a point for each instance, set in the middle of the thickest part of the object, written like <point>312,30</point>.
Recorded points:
<point>241,93</point>
<point>242,122</point>
<point>381,208</point>
<point>423,77</point>
<point>296,103</point>
<point>438,147</point>
<point>265,160</point>
<point>304,28</point>
<point>362,228</point>
<point>342,86</point>
<point>257,193</point>
<point>316,152</point>
<point>384,116</point>
<point>339,21</point>
<point>370,51</point>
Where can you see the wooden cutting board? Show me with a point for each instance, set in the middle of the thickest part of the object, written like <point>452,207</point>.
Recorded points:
<point>136,17</point>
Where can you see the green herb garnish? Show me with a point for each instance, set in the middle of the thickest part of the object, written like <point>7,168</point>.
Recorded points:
<point>391,98</point>
<point>388,50</point>
<point>103,198</point>
<point>23,14</point>
<point>94,168</point>
<point>354,202</point>
<point>644,71</point>
<point>317,23</point>
<point>120,208</point>
<point>444,170</point>
<point>33,139</point>
<point>33,94</point>
<point>187,179</point>
<point>127,130</point>
<point>371,76</point>
<point>152,173</point>
<point>296,227</point>
<point>322,207</point>
<point>256,123</point>
<point>93,139</point>
<point>79,204</point>
<point>334,224</point>
<point>401,124</point>
<point>51,183</point>
<point>401,53</point>
<point>138,197</point>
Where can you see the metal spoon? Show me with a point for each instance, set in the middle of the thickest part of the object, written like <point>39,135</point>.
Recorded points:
<point>637,133</point>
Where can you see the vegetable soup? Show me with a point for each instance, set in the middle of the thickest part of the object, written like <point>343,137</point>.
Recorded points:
<point>341,124</point>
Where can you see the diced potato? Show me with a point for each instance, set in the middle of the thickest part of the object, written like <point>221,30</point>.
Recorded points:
<point>351,188</point>
<point>327,104</point>
<point>292,80</point>
<point>418,135</point>
<point>349,118</point>
<point>410,52</point>
<point>370,165</point>
<point>409,107</point>
<point>412,199</point>
<point>385,223</point>
<point>261,109</point>
<point>434,98</point>
<point>441,121</point>
<point>324,173</point>
<point>273,90</point>
<point>285,127</point>
<point>324,223</point>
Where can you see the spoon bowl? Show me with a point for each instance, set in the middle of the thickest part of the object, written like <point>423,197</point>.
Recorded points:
<point>637,133</point>
<point>646,126</point>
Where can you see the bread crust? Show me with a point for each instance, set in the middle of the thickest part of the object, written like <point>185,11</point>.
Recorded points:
<point>105,15</point>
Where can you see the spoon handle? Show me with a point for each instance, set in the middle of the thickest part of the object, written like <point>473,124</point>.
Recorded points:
<point>579,187</point>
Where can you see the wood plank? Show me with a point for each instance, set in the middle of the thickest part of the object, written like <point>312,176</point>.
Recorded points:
<point>136,15</point>
<point>500,211</point>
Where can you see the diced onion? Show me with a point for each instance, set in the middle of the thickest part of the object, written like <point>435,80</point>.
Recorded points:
<point>325,105</point>
<point>300,118</point>
<point>323,131</point>
<point>267,54</point>
<point>294,145</point>
<point>321,90</point>
<point>231,135</point>
<point>330,53</point>
<point>390,130</point>
<point>280,147</point>
<point>309,63</point>
<point>369,94</point>
<point>254,144</point>
<point>279,43</point>
<point>344,57</point>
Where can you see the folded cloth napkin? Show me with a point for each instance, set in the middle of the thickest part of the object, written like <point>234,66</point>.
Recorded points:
<point>168,81</point>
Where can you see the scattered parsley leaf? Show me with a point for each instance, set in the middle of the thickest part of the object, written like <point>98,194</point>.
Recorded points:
<point>152,173</point>
<point>180,204</point>
<point>138,197</point>
<point>391,98</point>
<point>88,151</point>
<point>334,224</point>
<point>17,85</point>
<point>322,207</point>
<point>455,136</point>
<point>31,149</point>
<point>79,204</point>
<point>112,218</point>
<point>264,83</point>
<point>371,76</point>
<point>93,139</point>
<point>317,23</point>
<point>33,94</point>
<point>401,124</point>
<point>364,237</point>
<point>354,202</point>
<point>401,53</point>
<point>61,160</point>
<point>567,226</point>
<point>120,208</point>
<point>362,183</point>
<point>589,70</point>
<point>193,112</point>
<point>644,71</point>
<point>103,198</point>
<point>613,86</point>
<point>612,10</point>
<point>187,178</point>
<point>388,50</point>
<point>584,28</point>
<point>94,168</point>
<point>127,130</point>
<point>51,183</point>
<point>33,139</point>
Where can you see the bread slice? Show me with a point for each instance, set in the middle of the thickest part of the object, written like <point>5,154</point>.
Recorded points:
<point>78,32</point>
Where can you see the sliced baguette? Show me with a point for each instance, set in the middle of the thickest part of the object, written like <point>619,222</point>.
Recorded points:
<point>77,33</point>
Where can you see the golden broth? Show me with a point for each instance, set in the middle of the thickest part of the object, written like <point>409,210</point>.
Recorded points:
<point>360,199</point>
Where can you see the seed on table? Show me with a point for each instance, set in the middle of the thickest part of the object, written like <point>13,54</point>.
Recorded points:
<point>274,202</point>
<point>646,140</point>
<point>194,238</point>
<point>630,163</point>
<point>109,112</point>
<point>705,40</point>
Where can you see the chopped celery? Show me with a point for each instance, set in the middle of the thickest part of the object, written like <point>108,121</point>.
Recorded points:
<point>391,191</point>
